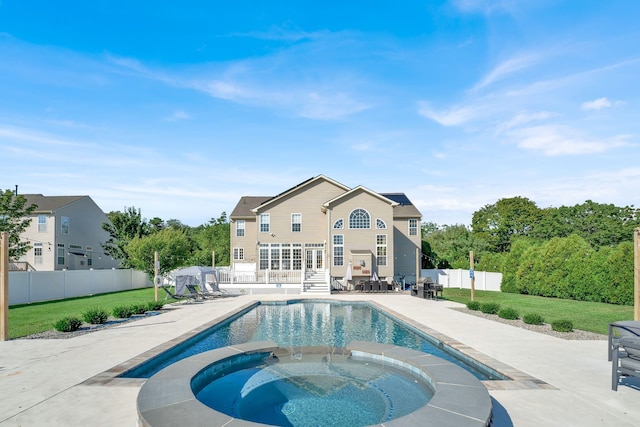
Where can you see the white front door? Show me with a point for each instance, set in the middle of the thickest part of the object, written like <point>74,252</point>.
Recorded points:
<point>314,259</point>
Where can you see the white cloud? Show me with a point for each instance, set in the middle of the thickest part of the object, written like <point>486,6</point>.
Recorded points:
<point>451,117</point>
<point>596,104</point>
<point>506,69</point>
<point>523,118</point>
<point>555,140</point>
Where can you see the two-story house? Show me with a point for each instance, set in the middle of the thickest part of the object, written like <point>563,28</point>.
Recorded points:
<point>322,226</point>
<point>66,233</point>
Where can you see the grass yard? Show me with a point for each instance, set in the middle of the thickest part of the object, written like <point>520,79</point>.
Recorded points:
<point>586,316</point>
<point>29,319</point>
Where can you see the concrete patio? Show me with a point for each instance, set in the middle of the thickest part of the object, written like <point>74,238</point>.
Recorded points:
<point>61,381</point>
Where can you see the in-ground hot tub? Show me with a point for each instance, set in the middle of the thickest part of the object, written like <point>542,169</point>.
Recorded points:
<point>363,384</point>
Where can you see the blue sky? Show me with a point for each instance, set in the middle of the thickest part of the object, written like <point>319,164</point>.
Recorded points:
<point>181,107</point>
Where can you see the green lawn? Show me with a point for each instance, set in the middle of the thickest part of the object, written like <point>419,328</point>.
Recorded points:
<point>29,319</point>
<point>586,316</point>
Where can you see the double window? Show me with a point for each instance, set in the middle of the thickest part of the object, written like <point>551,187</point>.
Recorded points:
<point>264,223</point>
<point>240,228</point>
<point>296,222</point>
<point>413,227</point>
<point>42,223</point>
<point>238,254</point>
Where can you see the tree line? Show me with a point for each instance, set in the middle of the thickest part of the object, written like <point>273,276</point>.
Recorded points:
<point>582,252</point>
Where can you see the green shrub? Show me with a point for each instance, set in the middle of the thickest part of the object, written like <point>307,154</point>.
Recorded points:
<point>508,313</point>
<point>489,307</point>
<point>138,308</point>
<point>154,305</point>
<point>122,312</point>
<point>562,325</point>
<point>533,319</point>
<point>68,324</point>
<point>473,305</point>
<point>95,316</point>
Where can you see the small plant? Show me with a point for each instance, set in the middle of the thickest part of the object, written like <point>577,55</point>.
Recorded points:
<point>473,305</point>
<point>122,312</point>
<point>533,319</point>
<point>68,324</point>
<point>95,316</point>
<point>489,307</point>
<point>562,325</point>
<point>154,305</point>
<point>508,313</point>
<point>138,308</point>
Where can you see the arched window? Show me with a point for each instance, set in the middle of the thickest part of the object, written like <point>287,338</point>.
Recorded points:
<point>359,218</point>
<point>339,224</point>
<point>380,224</point>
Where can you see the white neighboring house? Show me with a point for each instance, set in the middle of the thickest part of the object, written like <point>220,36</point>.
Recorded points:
<point>66,233</point>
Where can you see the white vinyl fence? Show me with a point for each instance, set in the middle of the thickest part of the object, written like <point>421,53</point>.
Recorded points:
<point>458,278</point>
<point>26,287</point>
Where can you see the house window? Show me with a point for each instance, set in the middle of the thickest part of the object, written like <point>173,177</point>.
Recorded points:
<point>42,223</point>
<point>381,249</point>
<point>296,255</point>
<point>359,218</point>
<point>380,224</point>
<point>296,222</point>
<point>286,256</point>
<point>37,253</point>
<point>60,253</point>
<point>264,223</point>
<point>338,249</point>
<point>64,225</point>
<point>264,256</point>
<point>339,224</point>
<point>275,256</point>
<point>89,255</point>
<point>238,254</point>
<point>240,228</point>
<point>413,227</point>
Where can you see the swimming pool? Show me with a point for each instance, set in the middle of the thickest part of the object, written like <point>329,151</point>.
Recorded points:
<point>299,323</point>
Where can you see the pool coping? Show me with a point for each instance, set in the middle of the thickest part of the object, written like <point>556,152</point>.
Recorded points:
<point>459,399</point>
<point>515,379</point>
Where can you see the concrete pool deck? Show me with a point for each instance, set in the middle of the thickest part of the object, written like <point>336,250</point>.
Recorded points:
<point>48,382</point>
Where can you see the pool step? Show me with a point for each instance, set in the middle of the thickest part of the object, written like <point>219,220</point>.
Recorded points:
<point>315,284</point>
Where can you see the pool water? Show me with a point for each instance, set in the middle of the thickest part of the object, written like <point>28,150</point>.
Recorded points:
<point>304,323</point>
<point>315,390</point>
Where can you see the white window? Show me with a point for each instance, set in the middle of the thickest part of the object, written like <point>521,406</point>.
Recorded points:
<point>238,254</point>
<point>275,256</point>
<point>263,254</point>
<point>296,254</point>
<point>380,224</point>
<point>359,218</point>
<point>339,224</point>
<point>381,249</point>
<point>413,227</point>
<point>338,249</point>
<point>240,228</point>
<point>61,254</point>
<point>89,255</point>
<point>42,223</point>
<point>64,224</point>
<point>296,222</point>
<point>37,253</point>
<point>264,223</point>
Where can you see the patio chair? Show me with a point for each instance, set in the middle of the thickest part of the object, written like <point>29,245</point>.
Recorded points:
<point>623,328</point>
<point>186,296</point>
<point>626,359</point>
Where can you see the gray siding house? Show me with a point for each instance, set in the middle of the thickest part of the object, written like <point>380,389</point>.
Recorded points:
<point>66,233</point>
<point>323,227</point>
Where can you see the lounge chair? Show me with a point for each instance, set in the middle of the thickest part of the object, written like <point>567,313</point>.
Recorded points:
<point>626,359</point>
<point>623,328</point>
<point>185,296</point>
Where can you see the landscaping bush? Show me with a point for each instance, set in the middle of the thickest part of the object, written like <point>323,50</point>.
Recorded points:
<point>533,319</point>
<point>154,305</point>
<point>562,325</point>
<point>473,305</point>
<point>68,324</point>
<point>489,307</point>
<point>122,312</point>
<point>138,308</point>
<point>508,313</point>
<point>95,316</point>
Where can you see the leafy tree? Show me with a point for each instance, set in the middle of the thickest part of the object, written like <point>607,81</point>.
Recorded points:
<point>511,262</point>
<point>498,224</point>
<point>156,224</point>
<point>450,246</point>
<point>210,238</point>
<point>173,249</point>
<point>123,228</point>
<point>14,220</point>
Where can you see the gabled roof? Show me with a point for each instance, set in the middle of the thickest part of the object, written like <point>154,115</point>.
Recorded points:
<point>297,187</point>
<point>364,189</point>
<point>244,207</point>
<point>49,204</point>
